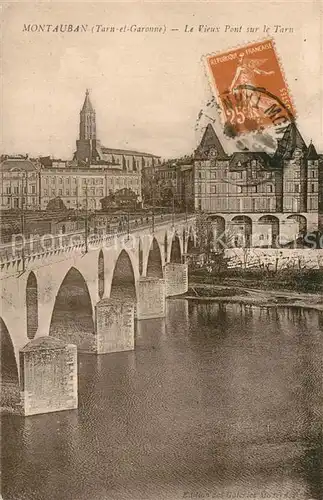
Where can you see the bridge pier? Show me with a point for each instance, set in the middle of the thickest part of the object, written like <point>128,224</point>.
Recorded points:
<point>48,376</point>
<point>151,298</point>
<point>114,326</point>
<point>176,277</point>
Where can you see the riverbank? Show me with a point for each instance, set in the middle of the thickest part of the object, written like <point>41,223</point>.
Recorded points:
<point>253,296</point>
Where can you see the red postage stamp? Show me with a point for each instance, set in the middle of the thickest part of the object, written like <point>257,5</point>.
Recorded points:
<point>250,87</point>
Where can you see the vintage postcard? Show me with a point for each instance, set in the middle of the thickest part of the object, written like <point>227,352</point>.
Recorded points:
<point>161,250</point>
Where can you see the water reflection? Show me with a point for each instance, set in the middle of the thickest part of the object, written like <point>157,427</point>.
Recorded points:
<point>219,399</point>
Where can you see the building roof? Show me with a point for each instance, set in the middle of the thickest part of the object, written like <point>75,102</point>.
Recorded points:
<point>17,164</point>
<point>210,141</point>
<point>87,105</point>
<point>126,152</point>
<point>290,141</point>
<point>239,159</point>
<point>311,152</point>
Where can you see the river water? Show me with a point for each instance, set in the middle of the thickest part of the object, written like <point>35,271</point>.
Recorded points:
<point>217,401</point>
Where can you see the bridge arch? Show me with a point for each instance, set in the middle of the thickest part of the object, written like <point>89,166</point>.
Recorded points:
<point>241,231</point>
<point>72,319</point>
<point>9,382</point>
<point>166,247</point>
<point>190,241</point>
<point>271,223</point>
<point>32,305</point>
<point>154,261</point>
<point>123,285</point>
<point>140,257</point>
<point>301,222</point>
<point>101,275</point>
<point>175,251</point>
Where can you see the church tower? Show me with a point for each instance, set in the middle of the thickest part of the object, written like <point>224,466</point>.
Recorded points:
<point>86,145</point>
<point>87,119</point>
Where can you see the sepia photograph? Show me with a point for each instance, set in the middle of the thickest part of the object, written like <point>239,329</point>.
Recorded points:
<point>161,250</point>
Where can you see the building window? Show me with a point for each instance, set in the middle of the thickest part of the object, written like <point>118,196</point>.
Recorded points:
<point>74,192</point>
<point>313,203</point>
<point>313,174</point>
<point>313,188</point>
<point>33,189</point>
<point>16,190</point>
<point>296,188</point>
<point>253,205</point>
<point>213,175</point>
<point>8,190</point>
<point>297,174</point>
<point>239,188</point>
<point>60,192</point>
<point>61,180</point>
<point>67,192</point>
<point>200,175</point>
<point>53,180</point>
<point>213,189</point>
<point>270,189</point>
<point>8,201</point>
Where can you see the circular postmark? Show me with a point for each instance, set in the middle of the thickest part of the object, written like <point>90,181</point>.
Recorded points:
<point>253,119</point>
<point>250,109</point>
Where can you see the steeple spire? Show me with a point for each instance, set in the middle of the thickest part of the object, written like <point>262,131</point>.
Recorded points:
<point>87,119</point>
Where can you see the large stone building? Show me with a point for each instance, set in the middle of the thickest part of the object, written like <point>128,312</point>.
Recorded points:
<point>20,183</point>
<point>259,195</point>
<point>170,184</point>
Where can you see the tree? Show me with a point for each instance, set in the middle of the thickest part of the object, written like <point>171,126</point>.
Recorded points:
<point>56,204</point>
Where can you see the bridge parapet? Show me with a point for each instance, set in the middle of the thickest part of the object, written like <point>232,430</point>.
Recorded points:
<point>17,255</point>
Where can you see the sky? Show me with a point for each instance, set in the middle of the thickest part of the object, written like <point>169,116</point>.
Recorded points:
<point>147,88</point>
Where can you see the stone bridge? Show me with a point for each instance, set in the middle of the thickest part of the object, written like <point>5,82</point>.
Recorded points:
<point>89,290</point>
